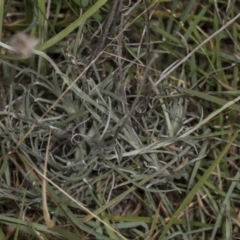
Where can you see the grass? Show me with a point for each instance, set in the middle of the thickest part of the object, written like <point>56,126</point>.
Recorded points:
<point>139,140</point>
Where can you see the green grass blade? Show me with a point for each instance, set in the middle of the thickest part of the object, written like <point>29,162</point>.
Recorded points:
<point>198,185</point>
<point>72,26</point>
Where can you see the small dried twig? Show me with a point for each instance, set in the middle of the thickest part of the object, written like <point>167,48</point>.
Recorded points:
<point>102,40</point>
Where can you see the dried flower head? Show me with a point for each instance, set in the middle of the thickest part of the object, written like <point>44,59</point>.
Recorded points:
<point>23,44</point>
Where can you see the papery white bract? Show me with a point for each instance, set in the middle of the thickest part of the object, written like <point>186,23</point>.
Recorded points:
<point>23,44</point>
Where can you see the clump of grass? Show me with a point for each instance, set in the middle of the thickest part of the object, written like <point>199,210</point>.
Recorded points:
<point>121,128</point>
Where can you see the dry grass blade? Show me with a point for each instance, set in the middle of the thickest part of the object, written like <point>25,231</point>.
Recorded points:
<point>46,216</point>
